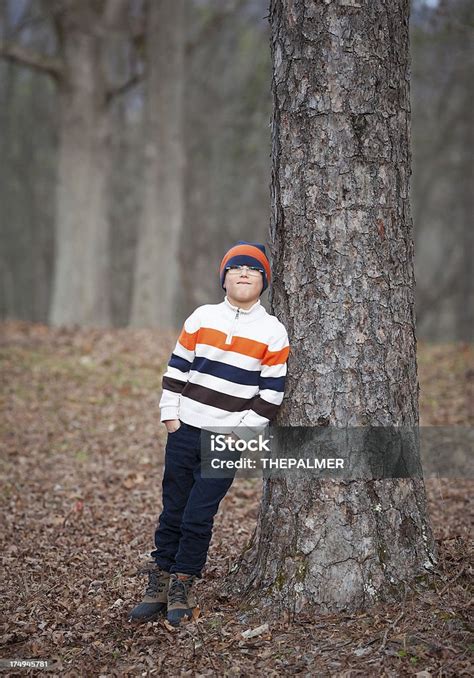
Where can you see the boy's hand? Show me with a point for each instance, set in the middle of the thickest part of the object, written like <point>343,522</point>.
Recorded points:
<point>172,425</point>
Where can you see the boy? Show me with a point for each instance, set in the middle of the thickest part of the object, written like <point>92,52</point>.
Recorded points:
<point>227,369</point>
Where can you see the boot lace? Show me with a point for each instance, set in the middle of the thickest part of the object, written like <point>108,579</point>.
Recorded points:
<point>155,581</point>
<point>179,590</point>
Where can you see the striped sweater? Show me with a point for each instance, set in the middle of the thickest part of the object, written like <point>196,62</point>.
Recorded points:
<point>227,369</point>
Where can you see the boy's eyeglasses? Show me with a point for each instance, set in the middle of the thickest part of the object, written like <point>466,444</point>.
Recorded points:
<point>253,271</point>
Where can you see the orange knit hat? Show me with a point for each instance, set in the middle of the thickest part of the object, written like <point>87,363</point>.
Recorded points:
<point>247,254</point>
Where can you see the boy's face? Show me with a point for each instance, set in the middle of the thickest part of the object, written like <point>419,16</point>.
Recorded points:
<point>243,287</point>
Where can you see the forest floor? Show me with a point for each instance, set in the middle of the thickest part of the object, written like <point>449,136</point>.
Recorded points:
<point>82,451</point>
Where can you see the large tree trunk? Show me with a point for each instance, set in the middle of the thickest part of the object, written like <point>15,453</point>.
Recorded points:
<point>80,287</point>
<point>157,265</point>
<point>342,247</point>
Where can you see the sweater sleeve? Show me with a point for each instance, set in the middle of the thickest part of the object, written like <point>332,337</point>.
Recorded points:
<point>179,365</point>
<point>266,403</point>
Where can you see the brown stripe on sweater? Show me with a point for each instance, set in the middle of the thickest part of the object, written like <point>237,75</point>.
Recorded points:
<point>174,385</point>
<point>263,407</point>
<point>229,403</point>
<point>208,396</point>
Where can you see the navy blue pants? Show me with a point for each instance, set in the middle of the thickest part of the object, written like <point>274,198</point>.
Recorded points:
<point>190,502</point>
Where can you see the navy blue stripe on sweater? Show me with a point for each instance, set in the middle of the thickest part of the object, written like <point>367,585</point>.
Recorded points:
<point>238,375</point>
<point>275,383</point>
<point>180,363</point>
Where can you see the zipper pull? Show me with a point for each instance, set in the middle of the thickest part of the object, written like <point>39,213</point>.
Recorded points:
<point>231,331</point>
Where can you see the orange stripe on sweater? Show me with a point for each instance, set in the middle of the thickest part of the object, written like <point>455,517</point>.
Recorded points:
<point>276,357</point>
<point>247,347</point>
<point>216,338</point>
<point>188,340</point>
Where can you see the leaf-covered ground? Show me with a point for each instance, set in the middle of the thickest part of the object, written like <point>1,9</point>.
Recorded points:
<point>82,452</point>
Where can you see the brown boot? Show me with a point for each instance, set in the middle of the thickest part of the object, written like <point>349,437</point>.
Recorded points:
<point>155,599</point>
<point>181,600</point>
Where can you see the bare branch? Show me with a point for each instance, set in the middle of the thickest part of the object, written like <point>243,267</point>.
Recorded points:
<point>26,57</point>
<point>135,79</point>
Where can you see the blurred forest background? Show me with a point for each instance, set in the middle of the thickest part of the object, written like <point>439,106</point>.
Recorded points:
<point>168,103</point>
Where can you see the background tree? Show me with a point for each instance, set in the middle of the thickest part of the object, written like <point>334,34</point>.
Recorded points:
<point>157,272</point>
<point>342,246</point>
<point>205,163</point>
<point>80,288</point>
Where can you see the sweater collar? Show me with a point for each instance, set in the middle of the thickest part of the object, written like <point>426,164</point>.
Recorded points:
<point>248,311</point>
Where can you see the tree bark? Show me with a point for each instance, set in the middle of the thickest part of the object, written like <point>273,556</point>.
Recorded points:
<point>343,284</point>
<point>157,277</point>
